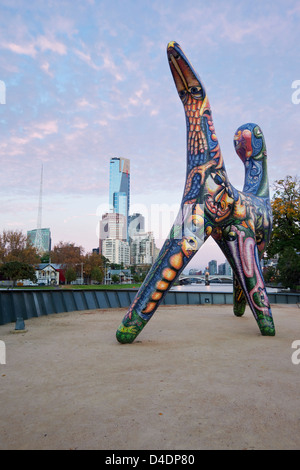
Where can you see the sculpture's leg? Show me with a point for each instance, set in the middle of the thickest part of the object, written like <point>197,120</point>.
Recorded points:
<point>243,252</point>
<point>239,299</point>
<point>184,241</point>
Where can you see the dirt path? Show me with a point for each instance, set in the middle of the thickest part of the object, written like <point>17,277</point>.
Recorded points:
<point>196,378</point>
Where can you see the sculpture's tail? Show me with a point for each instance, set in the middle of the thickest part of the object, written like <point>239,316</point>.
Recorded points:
<point>250,145</point>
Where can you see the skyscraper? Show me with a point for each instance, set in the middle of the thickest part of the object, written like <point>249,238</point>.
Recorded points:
<point>112,226</point>
<point>117,251</point>
<point>43,245</point>
<point>119,186</point>
<point>136,224</point>
<point>142,248</point>
<point>212,266</point>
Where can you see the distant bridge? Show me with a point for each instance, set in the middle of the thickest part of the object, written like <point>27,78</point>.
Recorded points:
<point>200,278</point>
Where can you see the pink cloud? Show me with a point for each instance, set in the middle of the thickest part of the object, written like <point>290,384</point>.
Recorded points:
<point>87,59</point>
<point>84,103</point>
<point>45,44</point>
<point>26,49</point>
<point>45,66</point>
<point>48,127</point>
<point>41,43</point>
<point>15,145</point>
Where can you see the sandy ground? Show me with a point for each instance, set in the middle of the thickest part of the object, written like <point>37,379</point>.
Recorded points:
<point>196,378</point>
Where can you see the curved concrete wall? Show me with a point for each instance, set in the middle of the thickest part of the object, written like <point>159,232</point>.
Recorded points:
<point>34,303</point>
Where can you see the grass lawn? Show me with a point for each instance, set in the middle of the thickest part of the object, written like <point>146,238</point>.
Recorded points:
<point>101,286</point>
<point>86,287</point>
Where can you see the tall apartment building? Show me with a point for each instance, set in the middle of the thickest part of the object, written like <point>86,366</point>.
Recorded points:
<point>113,226</point>
<point>212,267</point>
<point>117,251</point>
<point>225,269</point>
<point>142,248</point>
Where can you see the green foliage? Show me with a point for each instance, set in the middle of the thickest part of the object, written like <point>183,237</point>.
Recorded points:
<point>70,275</point>
<point>286,216</point>
<point>15,270</point>
<point>285,239</point>
<point>270,275</point>
<point>14,246</point>
<point>139,277</point>
<point>45,257</point>
<point>115,279</point>
<point>97,274</point>
<point>136,277</point>
<point>289,268</point>
<point>93,267</point>
<point>116,266</point>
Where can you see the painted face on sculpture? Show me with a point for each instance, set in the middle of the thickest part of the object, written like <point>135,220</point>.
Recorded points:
<point>189,246</point>
<point>218,202</point>
<point>186,80</point>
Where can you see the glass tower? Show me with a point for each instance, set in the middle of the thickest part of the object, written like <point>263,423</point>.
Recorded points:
<point>46,238</point>
<point>119,186</point>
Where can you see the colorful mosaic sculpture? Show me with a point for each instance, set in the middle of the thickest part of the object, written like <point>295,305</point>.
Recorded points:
<point>239,221</point>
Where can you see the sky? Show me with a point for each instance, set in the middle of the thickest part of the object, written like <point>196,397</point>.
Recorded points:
<point>85,81</point>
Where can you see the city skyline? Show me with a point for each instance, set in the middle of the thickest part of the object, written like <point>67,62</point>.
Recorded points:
<point>88,81</point>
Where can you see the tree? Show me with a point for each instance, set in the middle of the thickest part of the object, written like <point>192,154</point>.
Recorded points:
<point>14,246</point>
<point>117,266</point>
<point>45,257</point>
<point>15,270</point>
<point>70,275</point>
<point>97,274</point>
<point>136,278</point>
<point>271,275</point>
<point>93,267</point>
<point>289,268</point>
<point>67,254</point>
<point>286,216</point>
<point>115,279</point>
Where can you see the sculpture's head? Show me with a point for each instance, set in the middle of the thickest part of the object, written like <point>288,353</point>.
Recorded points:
<point>186,80</point>
<point>249,142</point>
<point>201,133</point>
